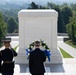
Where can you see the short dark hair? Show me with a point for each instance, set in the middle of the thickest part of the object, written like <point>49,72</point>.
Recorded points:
<point>37,43</point>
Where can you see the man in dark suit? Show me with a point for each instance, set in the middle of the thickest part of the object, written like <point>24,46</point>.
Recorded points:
<point>36,60</point>
<point>6,56</point>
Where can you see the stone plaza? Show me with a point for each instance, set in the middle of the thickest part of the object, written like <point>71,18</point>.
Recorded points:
<point>68,66</point>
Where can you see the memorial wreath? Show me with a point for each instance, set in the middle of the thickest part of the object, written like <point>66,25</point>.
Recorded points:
<point>43,45</point>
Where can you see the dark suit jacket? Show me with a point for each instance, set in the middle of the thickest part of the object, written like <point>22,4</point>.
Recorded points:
<point>36,61</point>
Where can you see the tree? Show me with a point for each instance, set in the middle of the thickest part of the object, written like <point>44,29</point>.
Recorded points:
<point>73,7</point>
<point>71,28</point>
<point>33,6</point>
<point>66,13</point>
<point>60,18</point>
<point>2,28</point>
<point>43,7</point>
<point>11,25</point>
<point>64,5</point>
<point>51,5</point>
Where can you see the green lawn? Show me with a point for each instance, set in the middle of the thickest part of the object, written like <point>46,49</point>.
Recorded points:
<point>69,42</point>
<point>65,54</point>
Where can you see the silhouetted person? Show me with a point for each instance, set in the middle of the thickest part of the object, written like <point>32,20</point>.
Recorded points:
<point>0,62</point>
<point>36,60</point>
<point>7,57</point>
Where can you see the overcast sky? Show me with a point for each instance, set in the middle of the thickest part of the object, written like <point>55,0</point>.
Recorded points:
<point>39,1</point>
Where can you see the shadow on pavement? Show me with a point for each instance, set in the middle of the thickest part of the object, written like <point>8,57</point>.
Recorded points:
<point>54,68</point>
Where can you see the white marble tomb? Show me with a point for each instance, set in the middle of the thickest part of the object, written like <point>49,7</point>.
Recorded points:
<point>36,25</point>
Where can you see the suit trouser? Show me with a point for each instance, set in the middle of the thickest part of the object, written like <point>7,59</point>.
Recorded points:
<point>7,73</point>
<point>38,74</point>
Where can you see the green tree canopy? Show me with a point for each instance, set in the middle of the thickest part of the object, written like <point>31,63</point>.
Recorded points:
<point>11,25</point>
<point>51,5</point>
<point>71,28</point>
<point>60,18</point>
<point>73,6</point>
<point>2,28</point>
<point>33,6</point>
<point>66,13</point>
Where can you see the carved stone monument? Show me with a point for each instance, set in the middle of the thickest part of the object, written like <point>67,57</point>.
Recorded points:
<point>36,25</point>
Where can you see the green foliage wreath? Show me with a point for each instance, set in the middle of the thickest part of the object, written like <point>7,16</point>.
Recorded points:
<point>43,44</point>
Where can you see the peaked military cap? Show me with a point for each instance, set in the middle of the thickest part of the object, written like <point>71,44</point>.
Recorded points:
<point>6,40</point>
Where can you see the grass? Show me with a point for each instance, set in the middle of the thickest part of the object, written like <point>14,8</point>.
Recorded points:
<point>65,54</point>
<point>16,47</point>
<point>69,42</point>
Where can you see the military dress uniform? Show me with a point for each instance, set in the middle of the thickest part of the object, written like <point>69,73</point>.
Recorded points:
<point>7,63</point>
<point>7,58</point>
<point>0,62</point>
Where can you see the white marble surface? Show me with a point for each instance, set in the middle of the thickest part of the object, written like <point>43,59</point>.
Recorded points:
<point>36,25</point>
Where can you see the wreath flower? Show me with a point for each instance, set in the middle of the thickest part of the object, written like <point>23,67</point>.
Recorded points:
<point>43,45</point>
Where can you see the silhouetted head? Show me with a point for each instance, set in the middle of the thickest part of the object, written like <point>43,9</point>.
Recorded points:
<point>6,42</point>
<point>37,44</point>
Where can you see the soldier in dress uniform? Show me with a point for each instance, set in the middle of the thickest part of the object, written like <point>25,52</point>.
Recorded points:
<point>0,62</point>
<point>6,56</point>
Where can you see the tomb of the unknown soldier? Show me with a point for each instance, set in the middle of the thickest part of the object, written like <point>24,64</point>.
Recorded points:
<point>35,25</point>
